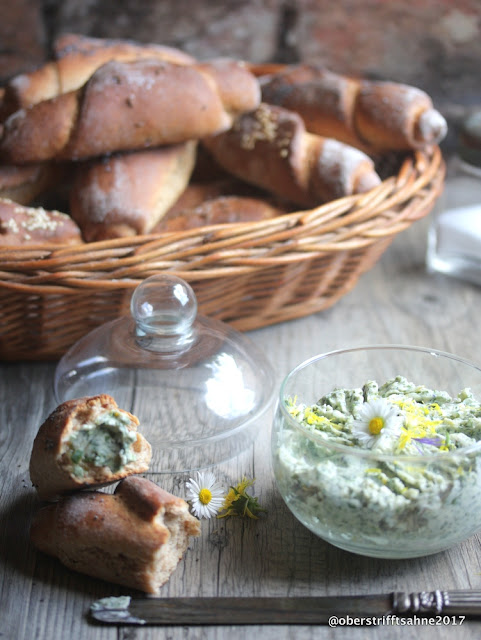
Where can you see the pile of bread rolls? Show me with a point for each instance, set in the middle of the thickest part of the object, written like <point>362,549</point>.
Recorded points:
<point>146,139</point>
<point>135,536</point>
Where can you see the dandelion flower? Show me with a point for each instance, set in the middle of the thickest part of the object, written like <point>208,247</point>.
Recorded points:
<point>238,502</point>
<point>205,495</point>
<point>376,419</point>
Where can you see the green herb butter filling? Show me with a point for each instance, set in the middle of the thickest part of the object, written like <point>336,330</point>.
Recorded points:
<point>105,442</point>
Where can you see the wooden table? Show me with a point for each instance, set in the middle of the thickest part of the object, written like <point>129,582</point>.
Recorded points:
<point>396,302</point>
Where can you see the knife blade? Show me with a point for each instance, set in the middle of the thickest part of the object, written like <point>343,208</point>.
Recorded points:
<point>308,610</point>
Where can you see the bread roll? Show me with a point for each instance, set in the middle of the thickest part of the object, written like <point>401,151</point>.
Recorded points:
<point>372,116</point>
<point>86,442</point>
<point>128,193</point>
<point>221,210</point>
<point>134,537</point>
<point>27,226</point>
<point>23,183</point>
<point>196,193</point>
<point>77,57</point>
<point>131,105</point>
<point>270,148</point>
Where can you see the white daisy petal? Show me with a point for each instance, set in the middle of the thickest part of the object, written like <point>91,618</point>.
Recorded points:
<point>205,494</point>
<point>377,420</point>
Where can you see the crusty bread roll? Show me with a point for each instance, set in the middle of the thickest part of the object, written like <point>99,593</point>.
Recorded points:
<point>196,193</point>
<point>134,537</point>
<point>23,183</point>
<point>86,442</point>
<point>26,226</point>
<point>270,148</point>
<point>131,105</point>
<point>128,193</point>
<point>221,210</point>
<point>77,57</point>
<point>372,116</point>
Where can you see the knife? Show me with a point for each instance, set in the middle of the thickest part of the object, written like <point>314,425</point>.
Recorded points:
<point>308,610</point>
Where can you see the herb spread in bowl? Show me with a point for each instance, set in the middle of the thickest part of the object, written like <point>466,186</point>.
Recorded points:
<point>390,470</point>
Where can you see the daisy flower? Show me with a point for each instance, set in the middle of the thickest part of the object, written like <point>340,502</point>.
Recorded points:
<point>204,494</point>
<point>376,419</point>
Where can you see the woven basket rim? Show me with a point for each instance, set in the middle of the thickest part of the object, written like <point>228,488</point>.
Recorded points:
<point>345,223</point>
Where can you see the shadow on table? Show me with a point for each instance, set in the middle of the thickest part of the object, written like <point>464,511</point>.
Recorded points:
<point>280,554</point>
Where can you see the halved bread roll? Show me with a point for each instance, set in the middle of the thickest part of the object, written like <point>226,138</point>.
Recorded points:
<point>85,443</point>
<point>134,537</point>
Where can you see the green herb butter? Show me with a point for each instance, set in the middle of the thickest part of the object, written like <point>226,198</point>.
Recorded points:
<point>104,442</point>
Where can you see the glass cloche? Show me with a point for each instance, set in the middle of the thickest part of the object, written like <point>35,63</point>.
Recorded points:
<point>199,388</point>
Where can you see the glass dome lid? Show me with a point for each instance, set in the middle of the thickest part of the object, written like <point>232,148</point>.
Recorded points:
<point>198,387</point>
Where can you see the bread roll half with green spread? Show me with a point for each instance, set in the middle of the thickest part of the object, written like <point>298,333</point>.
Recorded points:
<point>86,442</point>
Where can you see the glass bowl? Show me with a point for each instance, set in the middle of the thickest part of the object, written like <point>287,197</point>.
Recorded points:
<point>367,501</point>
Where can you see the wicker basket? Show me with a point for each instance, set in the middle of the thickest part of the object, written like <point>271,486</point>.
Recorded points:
<point>250,275</point>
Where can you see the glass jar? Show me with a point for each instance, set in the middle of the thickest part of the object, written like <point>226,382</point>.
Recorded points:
<point>454,239</point>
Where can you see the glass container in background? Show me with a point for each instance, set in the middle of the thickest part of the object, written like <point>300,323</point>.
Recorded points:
<point>454,239</point>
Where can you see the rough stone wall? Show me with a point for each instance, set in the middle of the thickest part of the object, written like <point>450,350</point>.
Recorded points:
<point>432,44</point>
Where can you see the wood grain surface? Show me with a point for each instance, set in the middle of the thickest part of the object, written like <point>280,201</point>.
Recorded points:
<point>396,302</point>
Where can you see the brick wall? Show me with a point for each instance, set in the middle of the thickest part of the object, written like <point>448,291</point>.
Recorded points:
<point>433,44</point>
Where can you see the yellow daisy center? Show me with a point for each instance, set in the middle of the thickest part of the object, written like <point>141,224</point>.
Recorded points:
<point>375,425</point>
<point>205,496</point>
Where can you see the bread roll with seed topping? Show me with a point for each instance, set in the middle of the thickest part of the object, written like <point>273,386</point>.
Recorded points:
<point>135,537</point>
<point>84,443</point>
<point>26,226</point>
<point>270,147</point>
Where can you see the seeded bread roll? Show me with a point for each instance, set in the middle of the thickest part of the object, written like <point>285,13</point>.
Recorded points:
<point>84,443</point>
<point>372,116</point>
<point>128,193</point>
<point>221,210</point>
<point>131,105</point>
<point>269,147</point>
<point>77,57</point>
<point>135,537</point>
<point>26,226</point>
